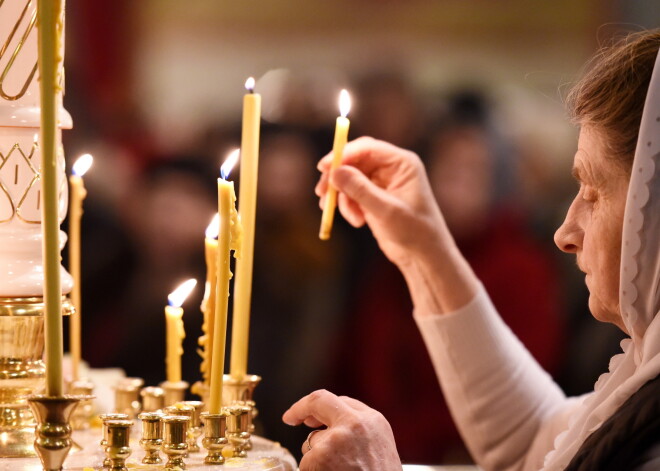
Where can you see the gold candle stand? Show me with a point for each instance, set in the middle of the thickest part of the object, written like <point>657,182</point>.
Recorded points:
<point>238,429</point>
<point>82,415</point>
<point>153,399</point>
<point>241,392</point>
<point>175,391</point>
<point>105,418</point>
<point>184,410</point>
<point>152,436</point>
<point>127,397</point>
<point>53,432</point>
<point>175,443</point>
<point>117,449</point>
<point>215,439</point>
<point>22,370</point>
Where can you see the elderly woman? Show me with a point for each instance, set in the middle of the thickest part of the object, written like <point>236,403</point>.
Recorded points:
<point>510,413</point>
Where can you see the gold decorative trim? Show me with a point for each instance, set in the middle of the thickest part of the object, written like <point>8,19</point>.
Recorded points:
<point>17,51</point>
<point>16,208</point>
<point>30,306</point>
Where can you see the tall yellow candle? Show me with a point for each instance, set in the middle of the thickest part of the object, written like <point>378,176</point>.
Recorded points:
<point>341,137</point>
<point>247,208</point>
<point>77,195</point>
<point>174,329</point>
<point>208,303</point>
<point>228,238</point>
<point>50,21</point>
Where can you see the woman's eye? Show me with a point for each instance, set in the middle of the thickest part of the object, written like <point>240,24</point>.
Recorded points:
<point>589,194</point>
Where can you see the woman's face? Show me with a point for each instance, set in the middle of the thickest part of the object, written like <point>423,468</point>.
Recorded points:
<point>593,225</point>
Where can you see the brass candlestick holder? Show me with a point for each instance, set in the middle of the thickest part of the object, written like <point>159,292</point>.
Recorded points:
<point>127,397</point>
<point>82,415</point>
<point>152,436</point>
<point>175,440</point>
<point>238,429</point>
<point>21,370</point>
<point>215,431</point>
<point>53,432</point>
<point>153,399</point>
<point>241,392</point>
<point>105,418</point>
<point>195,424</point>
<point>175,391</point>
<point>182,409</point>
<point>117,449</point>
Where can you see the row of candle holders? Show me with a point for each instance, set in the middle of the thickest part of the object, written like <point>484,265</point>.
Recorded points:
<point>176,431</point>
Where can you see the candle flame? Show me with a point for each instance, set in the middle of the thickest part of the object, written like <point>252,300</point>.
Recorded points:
<point>249,84</point>
<point>35,138</point>
<point>344,103</point>
<point>213,228</point>
<point>179,295</point>
<point>83,164</point>
<point>229,163</point>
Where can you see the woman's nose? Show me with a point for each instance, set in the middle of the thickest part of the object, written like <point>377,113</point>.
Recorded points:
<point>569,235</point>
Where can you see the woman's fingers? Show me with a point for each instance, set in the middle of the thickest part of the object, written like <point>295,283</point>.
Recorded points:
<point>351,211</point>
<point>322,406</point>
<point>313,439</point>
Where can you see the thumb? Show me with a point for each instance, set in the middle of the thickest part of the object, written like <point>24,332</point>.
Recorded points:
<point>355,184</point>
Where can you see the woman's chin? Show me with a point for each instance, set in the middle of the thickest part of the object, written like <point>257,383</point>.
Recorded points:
<point>602,313</point>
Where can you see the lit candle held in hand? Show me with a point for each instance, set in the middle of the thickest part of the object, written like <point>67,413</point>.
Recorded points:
<point>77,195</point>
<point>247,209</point>
<point>229,238</point>
<point>174,329</point>
<point>341,137</point>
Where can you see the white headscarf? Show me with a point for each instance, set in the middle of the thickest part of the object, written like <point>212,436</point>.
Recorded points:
<point>639,291</point>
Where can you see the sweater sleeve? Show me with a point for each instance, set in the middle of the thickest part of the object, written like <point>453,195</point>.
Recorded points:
<point>506,407</point>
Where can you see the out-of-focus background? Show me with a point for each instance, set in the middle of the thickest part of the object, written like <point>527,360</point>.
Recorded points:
<point>475,87</point>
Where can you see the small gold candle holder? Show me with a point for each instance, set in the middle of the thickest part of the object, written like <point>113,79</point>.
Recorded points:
<point>127,397</point>
<point>175,440</point>
<point>104,440</point>
<point>181,408</point>
<point>215,431</point>
<point>153,399</point>
<point>118,447</point>
<point>175,391</point>
<point>53,432</point>
<point>241,392</point>
<point>195,424</point>
<point>238,429</point>
<point>82,415</point>
<point>152,436</point>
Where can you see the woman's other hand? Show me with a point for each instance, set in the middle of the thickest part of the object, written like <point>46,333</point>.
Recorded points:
<point>356,438</point>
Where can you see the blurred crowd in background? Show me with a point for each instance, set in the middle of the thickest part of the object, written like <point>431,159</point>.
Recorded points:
<point>334,314</point>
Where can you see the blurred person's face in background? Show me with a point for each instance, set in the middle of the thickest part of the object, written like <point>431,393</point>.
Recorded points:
<point>461,174</point>
<point>171,215</point>
<point>286,180</point>
<point>593,226</point>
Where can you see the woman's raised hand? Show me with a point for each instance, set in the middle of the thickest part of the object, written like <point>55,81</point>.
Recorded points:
<point>386,187</point>
<point>356,438</point>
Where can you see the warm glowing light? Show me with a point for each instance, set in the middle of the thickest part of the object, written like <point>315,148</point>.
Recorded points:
<point>344,103</point>
<point>249,84</point>
<point>35,138</point>
<point>213,228</point>
<point>83,164</point>
<point>179,295</point>
<point>229,163</point>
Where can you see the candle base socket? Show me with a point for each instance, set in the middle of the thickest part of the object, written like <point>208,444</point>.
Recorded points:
<point>185,410</point>
<point>175,440</point>
<point>53,431</point>
<point>127,397</point>
<point>152,436</point>
<point>104,440</point>
<point>195,425</point>
<point>241,392</point>
<point>153,399</point>
<point>215,440</point>
<point>118,447</point>
<point>82,415</point>
<point>175,391</point>
<point>238,429</point>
